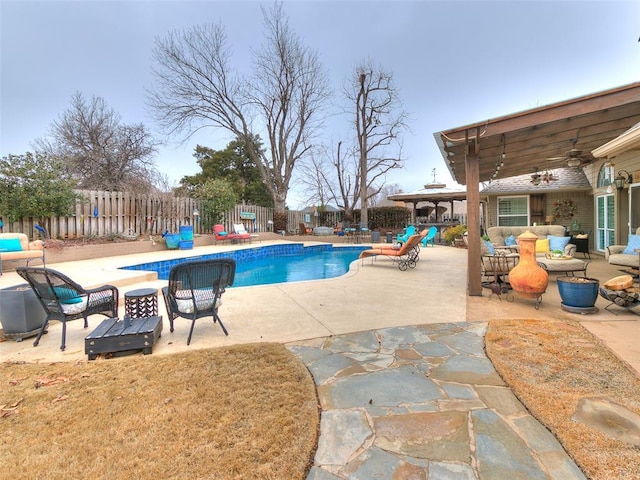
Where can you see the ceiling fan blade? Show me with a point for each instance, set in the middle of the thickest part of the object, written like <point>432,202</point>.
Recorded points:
<point>553,159</point>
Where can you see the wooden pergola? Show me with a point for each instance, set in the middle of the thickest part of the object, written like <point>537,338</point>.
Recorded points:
<point>529,141</point>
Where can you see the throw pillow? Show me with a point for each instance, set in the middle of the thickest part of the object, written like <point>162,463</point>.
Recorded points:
<point>632,244</point>
<point>490,247</point>
<point>10,245</point>
<point>510,241</point>
<point>557,243</point>
<point>67,295</point>
<point>542,245</point>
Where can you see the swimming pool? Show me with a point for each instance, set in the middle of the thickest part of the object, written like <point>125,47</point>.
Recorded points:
<point>273,263</point>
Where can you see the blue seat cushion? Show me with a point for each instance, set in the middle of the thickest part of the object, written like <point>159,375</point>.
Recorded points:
<point>490,247</point>
<point>557,243</point>
<point>632,244</point>
<point>10,245</point>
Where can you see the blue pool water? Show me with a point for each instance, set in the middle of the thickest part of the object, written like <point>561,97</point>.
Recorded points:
<point>274,263</point>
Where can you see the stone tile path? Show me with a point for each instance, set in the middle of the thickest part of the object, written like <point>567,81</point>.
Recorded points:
<point>423,403</point>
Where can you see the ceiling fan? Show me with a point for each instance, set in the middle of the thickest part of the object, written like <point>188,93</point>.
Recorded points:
<point>574,157</point>
<point>545,177</point>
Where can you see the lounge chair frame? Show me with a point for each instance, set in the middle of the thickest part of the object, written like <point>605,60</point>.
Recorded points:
<point>407,256</point>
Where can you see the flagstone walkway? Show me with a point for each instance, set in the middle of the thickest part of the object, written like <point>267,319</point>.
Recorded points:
<point>423,402</point>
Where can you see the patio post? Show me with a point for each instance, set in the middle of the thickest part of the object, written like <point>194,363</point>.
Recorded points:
<point>472,173</point>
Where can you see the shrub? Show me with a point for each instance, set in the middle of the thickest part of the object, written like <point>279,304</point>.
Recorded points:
<point>450,234</point>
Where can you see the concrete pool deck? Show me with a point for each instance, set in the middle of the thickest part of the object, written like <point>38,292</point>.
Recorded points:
<point>368,337</point>
<point>373,295</point>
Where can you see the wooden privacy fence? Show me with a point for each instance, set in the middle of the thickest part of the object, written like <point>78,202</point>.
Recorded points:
<point>105,214</point>
<point>111,214</point>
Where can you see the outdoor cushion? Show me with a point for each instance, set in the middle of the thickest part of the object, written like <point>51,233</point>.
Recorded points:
<point>557,243</point>
<point>204,300</point>
<point>510,241</point>
<point>74,308</point>
<point>67,295</point>
<point>10,245</point>
<point>542,245</point>
<point>490,247</point>
<point>632,244</point>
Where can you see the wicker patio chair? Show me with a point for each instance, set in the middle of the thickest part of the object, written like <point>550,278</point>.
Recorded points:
<point>64,300</point>
<point>195,290</point>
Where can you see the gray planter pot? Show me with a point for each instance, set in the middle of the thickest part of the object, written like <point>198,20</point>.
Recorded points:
<point>21,314</point>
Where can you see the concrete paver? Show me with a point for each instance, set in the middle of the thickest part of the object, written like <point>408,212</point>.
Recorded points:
<point>398,358</point>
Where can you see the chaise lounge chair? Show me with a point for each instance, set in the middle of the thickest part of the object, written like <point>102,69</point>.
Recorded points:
<point>304,230</point>
<point>407,254</point>
<point>240,232</point>
<point>222,236</point>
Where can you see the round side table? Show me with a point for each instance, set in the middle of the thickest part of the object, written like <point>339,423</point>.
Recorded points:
<point>141,303</point>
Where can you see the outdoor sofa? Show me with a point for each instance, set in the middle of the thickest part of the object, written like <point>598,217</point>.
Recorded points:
<point>625,255</point>
<point>16,247</point>
<point>499,237</point>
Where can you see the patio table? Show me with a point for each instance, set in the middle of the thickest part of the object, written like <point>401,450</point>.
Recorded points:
<point>123,336</point>
<point>563,264</point>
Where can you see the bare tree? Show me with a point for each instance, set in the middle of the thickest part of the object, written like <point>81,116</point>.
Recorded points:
<point>388,189</point>
<point>379,122</point>
<point>316,177</point>
<point>346,189</point>
<point>98,150</point>
<point>196,88</point>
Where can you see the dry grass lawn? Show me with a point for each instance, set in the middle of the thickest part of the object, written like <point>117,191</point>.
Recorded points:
<point>242,412</point>
<point>251,412</point>
<point>550,366</point>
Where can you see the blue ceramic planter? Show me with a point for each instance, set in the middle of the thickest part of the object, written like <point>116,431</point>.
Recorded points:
<point>186,233</point>
<point>172,240</point>
<point>578,292</point>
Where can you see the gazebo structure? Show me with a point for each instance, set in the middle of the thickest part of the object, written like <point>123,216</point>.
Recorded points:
<point>557,135</point>
<point>434,193</point>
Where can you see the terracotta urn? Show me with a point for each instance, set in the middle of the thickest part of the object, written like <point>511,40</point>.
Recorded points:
<point>528,278</point>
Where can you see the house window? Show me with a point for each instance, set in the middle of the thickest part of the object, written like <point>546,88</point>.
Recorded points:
<point>513,211</point>
<point>606,175</point>
<point>605,221</point>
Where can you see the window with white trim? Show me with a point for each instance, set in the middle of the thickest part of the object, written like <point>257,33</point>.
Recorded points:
<point>513,211</point>
<point>606,175</point>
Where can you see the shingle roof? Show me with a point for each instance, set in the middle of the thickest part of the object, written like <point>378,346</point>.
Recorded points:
<point>568,179</point>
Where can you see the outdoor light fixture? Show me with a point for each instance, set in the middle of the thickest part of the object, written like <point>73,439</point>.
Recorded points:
<point>622,178</point>
<point>535,179</point>
<point>574,162</point>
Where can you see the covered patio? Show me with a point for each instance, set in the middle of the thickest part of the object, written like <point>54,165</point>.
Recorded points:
<point>557,135</point>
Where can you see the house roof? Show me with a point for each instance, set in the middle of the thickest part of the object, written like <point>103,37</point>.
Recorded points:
<point>431,193</point>
<point>629,140</point>
<point>568,179</point>
<point>541,137</point>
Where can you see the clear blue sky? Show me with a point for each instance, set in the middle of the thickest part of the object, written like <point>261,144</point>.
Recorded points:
<point>454,62</point>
